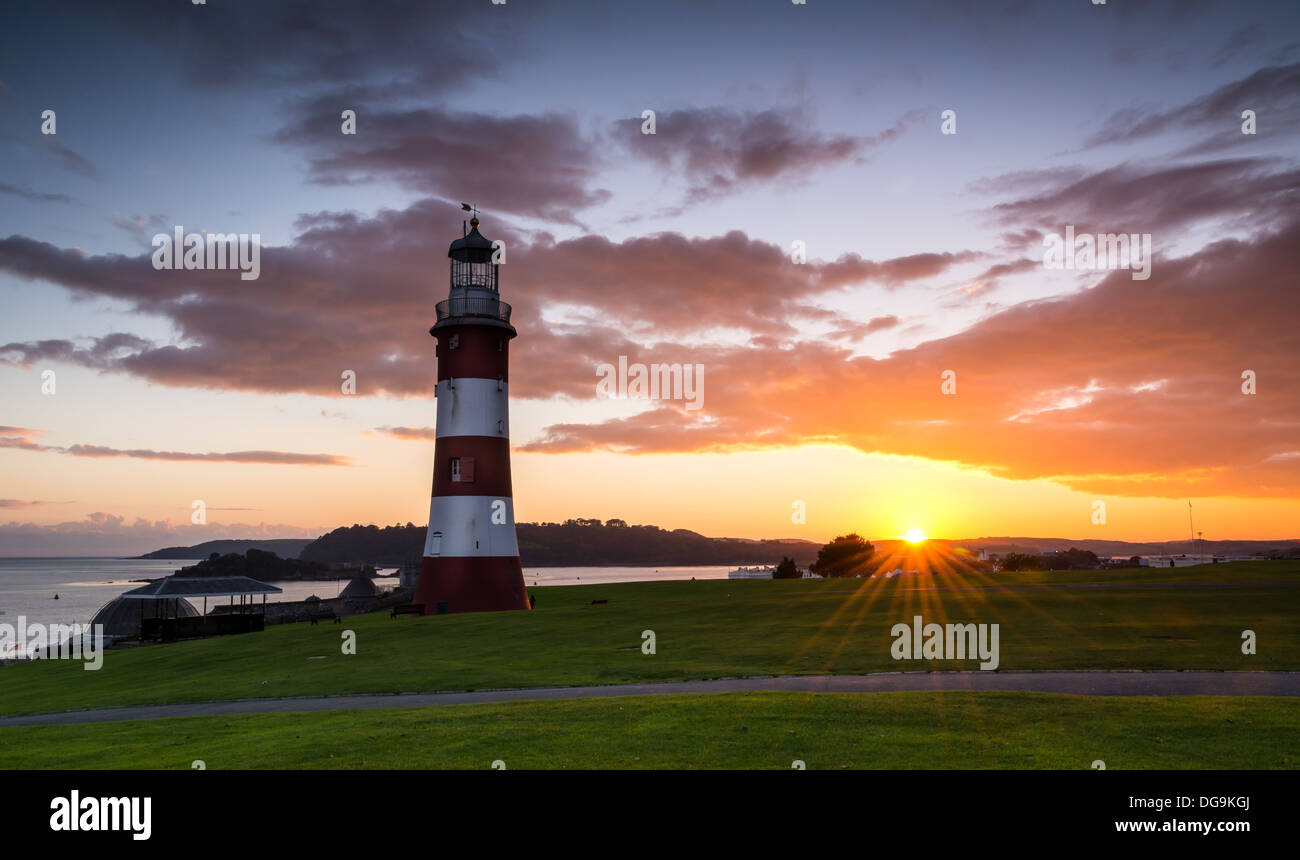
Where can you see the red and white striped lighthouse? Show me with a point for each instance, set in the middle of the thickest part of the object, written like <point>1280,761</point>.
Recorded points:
<point>471,556</point>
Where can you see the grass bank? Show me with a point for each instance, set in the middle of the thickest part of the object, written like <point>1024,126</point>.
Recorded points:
<point>1189,618</point>
<point>726,730</point>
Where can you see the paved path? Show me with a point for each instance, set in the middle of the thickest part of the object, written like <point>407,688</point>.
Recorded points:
<point>1089,683</point>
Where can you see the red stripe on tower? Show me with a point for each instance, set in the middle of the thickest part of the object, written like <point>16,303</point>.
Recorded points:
<point>471,556</point>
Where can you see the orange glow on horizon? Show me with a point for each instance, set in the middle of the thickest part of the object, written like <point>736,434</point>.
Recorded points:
<point>741,494</point>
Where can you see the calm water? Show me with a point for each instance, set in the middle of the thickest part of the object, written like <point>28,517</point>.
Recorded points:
<point>599,575</point>
<point>28,585</point>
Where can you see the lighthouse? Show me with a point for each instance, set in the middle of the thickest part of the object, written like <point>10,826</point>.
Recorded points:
<point>471,555</point>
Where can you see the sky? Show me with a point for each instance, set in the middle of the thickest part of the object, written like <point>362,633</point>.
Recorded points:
<point>884,341</point>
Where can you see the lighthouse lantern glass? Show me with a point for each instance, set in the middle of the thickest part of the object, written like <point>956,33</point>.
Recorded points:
<point>471,274</point>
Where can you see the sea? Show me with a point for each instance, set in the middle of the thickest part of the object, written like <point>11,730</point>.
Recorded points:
<point>28,585</point>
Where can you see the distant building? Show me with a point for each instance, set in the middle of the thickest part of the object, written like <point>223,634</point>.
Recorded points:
<point>362,586</point>
<point>1191,560</point>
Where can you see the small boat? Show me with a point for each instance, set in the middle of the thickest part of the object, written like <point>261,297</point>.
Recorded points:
<point>751,573</point>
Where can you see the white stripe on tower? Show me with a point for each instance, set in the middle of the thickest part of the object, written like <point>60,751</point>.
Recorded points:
<point>473,407</point>
<point>469,529</point>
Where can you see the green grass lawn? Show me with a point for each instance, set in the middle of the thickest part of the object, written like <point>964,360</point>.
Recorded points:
<point>725,730</point>
<point>706,629</point>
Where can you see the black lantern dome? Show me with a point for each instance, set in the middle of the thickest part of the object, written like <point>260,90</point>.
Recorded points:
<point>475,296</point>
<point>471,261</point>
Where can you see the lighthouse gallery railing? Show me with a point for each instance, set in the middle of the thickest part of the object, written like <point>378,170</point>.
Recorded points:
<point>473,307</point>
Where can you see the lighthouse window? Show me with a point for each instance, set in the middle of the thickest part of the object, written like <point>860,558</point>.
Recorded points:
<point>462,470</point>
<point>501,346</point>
<point>453,342</point>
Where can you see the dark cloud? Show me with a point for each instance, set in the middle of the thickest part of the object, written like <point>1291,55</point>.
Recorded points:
<point>540,166</point>
<point>22,438</point>
<point>1019,240</point>
<point>69,160</point>
<point>675,429</point>
<point>1273,93</point>
<point>6,188</point>
<point>1013,267</point>
<point>1115,389</point>
<point>990,279</point>
<point>289,458</point>
<point>719,150</point>
<point>546,166</point>
<point>354,293</point>
<point>1123,387</point>
<point>1145,199</point>
<point>142,228</point>
<point>898,271</point>
<point>25,441</point>
<point>852,331</point>
<point>46,146</point>
<point>421,433</point>
<point>1027,181</point>
<point>670,284</point>
<point>305,43</point>
<point>1242,42</point>
<point>102,353</point>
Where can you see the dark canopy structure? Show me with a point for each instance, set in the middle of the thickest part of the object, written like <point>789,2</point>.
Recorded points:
<point>361,586</point>
<point>121,617</point>
<point>170,592</point>
<point>201,586</point>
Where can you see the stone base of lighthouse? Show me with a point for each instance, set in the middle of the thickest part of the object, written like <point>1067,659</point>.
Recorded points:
<point>471,584</point>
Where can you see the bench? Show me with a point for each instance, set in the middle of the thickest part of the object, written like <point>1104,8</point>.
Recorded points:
<point>323,615</point>
<point>594,602</point>
<point>407,609</point>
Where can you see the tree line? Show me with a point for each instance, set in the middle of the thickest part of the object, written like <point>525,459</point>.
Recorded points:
<point>573,543</point>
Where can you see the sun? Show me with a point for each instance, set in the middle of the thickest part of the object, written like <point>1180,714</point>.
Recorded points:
<point>914,536</point>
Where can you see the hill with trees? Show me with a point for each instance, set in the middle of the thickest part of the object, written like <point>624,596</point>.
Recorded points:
<point>591,542</point>
<point>572,543</point>
<point>283,547</point>
<point>265,566</point>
